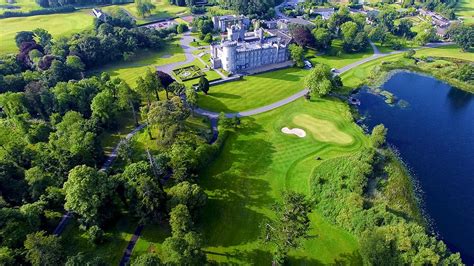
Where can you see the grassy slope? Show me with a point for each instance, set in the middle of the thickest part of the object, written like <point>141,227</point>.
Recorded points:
<point>253,91</point>
<point>131,70</point>
<point>335,61</point>
<point>56,24</point>
<point>255,165</point>
<point>465,9</point>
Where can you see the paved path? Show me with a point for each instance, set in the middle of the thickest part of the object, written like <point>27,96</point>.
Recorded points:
<point>131,244</point>
<point>110,160</point>
<point>185,43</point>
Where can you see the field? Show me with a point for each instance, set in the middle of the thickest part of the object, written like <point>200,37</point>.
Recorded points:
<point>56,24</point>
<point>163,10</point>
<point>131,70</point>
<point>465,9</point>
<point>21,6</point>
<point>337,58</point>
<point>253,91</point>
<point>256,164</point>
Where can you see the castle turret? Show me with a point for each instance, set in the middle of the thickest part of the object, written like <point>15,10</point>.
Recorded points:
<point>229,56</point>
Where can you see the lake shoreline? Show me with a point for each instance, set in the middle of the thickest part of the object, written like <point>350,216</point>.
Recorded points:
<point>405,137</point>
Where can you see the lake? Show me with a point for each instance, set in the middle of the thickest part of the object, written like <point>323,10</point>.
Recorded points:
<point>434,134</point>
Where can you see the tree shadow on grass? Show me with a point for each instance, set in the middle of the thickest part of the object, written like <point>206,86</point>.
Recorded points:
<point>224,95</point>
<point>236,190</point>
<point>353,258</point>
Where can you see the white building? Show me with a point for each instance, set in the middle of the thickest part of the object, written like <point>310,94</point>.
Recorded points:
<point>221,23</point>
<point>243,51</point>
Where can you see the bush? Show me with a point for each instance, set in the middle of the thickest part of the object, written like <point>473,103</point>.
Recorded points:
<point>95,235</point>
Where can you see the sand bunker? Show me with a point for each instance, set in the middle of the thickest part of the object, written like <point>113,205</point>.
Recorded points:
<point>294,131</point>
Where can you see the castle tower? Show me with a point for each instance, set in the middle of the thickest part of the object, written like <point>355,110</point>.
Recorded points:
<point>229,56</point>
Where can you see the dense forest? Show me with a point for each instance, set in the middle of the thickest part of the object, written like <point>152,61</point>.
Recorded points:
<point>52,120</point>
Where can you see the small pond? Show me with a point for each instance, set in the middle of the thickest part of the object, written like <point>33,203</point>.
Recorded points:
<point>431,124</point>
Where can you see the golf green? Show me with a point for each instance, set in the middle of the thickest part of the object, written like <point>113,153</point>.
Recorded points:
<point>257,163</point>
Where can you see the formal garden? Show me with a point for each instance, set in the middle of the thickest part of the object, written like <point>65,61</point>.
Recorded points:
<point>188,72</point>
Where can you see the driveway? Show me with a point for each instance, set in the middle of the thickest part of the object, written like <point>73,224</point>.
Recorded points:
<point>185,43</point>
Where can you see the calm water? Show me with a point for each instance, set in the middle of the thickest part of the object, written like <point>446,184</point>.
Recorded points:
<point>435,137</point>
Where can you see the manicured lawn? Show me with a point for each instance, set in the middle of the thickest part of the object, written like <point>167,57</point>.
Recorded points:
<point>465,9</point>
<point>56,24</point>
<point>253,91</point>
<point>337,58</point>
<point>131,70</point>
<point>256,164</point>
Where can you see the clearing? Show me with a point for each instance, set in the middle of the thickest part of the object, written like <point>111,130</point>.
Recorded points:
<point>336,57</point>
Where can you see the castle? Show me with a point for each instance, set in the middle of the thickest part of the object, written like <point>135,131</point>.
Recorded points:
<point>244,50</point>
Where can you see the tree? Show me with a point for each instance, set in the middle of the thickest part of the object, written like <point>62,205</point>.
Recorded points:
<point>322,38</point>
<point>6,256</point>
<point>168,116</point>
<point>183,250</point>
<point>379,133</point>
<point>463,35</point>
<point>191,195</point>
<point>377,250</point>
<point>180,220</point>
<point>191,98</point>
<point>354,38</point>
<point>182,27</point>
<point>203,84</point>
<point>128,98</point>
<point>426,34</point>
<point>104,108</point>
<point>319,81</point>
<point>144,7</point>
<point>87,191</point>
<point>145,192</point>
<point>24,36</point>
<point>151,83</point>
<point>165,81</point>
<point>290,226</point>
<point>147,259</point>
<point>42,249</point>
<point>43,37</point>
<point>296,53</point>
<point>302,36</point>
<point>81,259</point>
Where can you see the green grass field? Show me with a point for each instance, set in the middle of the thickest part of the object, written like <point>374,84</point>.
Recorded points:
<point>256,164</point>
<point>136,67</point>
<point>21,6</point>
<point>163,10</point>
<point>465,10</point>
<point>253,91</point>
<point>336,58</point>
<point>56,24</point>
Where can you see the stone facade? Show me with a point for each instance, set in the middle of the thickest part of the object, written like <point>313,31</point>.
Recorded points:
<point>243,51</point>
<point>222,23</point>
